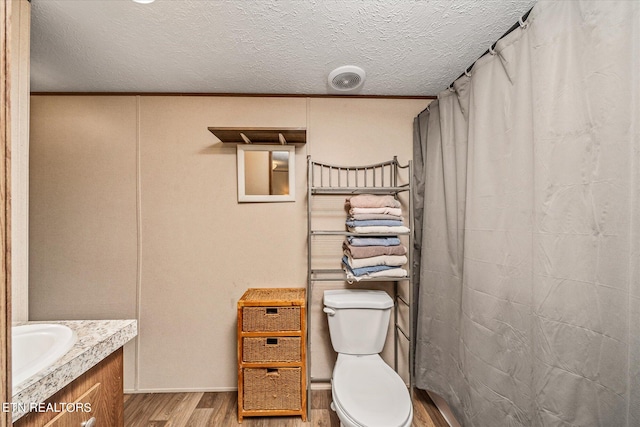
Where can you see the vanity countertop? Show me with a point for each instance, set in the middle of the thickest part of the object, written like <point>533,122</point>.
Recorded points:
<point>96,340</point>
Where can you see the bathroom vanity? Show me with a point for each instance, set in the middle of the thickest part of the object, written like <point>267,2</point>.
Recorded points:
<point>83,386</point>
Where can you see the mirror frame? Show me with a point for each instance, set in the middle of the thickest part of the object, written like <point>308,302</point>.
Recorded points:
<point>243,197</point>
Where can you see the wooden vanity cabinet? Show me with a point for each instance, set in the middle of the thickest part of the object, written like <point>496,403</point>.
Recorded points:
<point>100,388</point>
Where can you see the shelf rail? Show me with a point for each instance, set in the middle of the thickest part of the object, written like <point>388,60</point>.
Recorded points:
<point>374,178</point>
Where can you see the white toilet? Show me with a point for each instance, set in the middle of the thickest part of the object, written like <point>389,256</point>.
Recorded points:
<point>366,391</point>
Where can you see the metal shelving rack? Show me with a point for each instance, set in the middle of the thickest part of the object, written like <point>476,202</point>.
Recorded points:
<point>380,178</point>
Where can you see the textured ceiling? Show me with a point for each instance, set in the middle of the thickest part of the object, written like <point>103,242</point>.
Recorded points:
<point>406,47</point>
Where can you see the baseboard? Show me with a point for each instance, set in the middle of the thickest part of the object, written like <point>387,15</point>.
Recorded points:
<point>180,390</point>
<point>321,386</point>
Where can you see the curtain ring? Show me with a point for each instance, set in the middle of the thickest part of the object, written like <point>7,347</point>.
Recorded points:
<point>522,24</point>
<point>451,89</point>
<point>467,73</point>
<point>492,51</point>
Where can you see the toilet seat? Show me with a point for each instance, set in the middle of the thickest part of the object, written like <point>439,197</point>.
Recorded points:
<point>369,393</point>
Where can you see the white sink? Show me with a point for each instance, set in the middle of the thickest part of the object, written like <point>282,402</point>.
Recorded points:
<point>37,346</point>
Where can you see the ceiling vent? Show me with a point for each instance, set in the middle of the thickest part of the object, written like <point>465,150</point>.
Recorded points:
<point>347,79</point>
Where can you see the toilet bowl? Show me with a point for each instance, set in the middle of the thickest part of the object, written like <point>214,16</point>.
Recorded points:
<point>366,391</point>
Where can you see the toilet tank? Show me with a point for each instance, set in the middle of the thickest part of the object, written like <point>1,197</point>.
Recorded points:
<point>358,319</point>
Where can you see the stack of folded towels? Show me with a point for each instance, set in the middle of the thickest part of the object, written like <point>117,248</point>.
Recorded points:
<point>374,255</point>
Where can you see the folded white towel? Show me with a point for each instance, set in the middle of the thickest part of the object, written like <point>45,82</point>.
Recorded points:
<point>390,260</point>
<point>372,201</point>
<point>382,229</point>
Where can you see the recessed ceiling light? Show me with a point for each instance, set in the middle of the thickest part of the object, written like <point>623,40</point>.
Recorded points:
<point>144,1</point>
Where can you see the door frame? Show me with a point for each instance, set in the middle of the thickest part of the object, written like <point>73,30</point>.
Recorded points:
<point>5,209</point>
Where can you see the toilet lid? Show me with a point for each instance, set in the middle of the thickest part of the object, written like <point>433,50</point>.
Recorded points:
<point>370,392</point>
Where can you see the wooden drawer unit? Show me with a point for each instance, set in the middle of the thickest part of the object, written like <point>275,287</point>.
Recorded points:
<point>272,352</point>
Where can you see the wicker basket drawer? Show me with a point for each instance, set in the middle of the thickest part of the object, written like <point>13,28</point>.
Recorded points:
<point>272,388</point>
<point>270,319</point>
<point>264,349</point>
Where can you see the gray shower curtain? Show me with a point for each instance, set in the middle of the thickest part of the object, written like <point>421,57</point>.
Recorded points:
<point>529,294</point>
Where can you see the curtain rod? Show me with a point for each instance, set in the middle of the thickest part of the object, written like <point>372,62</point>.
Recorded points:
<point>518,24</point>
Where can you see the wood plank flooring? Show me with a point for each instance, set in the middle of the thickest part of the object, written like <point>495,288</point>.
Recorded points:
<point>219,410</point>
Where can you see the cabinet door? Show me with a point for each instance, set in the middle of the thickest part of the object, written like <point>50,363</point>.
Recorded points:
<point>81,411</point>
<point>100,386</point>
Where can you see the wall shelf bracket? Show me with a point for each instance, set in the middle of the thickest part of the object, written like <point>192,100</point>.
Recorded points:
<point>261,135</point>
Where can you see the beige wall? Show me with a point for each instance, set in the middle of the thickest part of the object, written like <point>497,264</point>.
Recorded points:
<point>353,132</point>
<point>20,26</point>
<point>83,243</point>
<point>134,213</point>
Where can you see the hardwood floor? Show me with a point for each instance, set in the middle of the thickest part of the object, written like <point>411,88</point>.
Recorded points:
<point>219,409</point>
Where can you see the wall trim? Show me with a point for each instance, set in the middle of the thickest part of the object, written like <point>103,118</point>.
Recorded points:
<point>326,386</point>
<point>240,95</point>
<point>5,209</point>
<point>181,390</point>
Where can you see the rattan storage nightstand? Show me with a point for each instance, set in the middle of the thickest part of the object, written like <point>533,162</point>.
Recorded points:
<point>272,347</point>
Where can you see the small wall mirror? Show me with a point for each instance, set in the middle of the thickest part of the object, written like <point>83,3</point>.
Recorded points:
<point>266,173</point>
